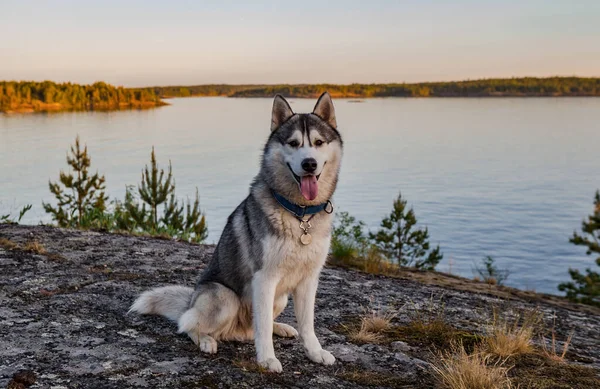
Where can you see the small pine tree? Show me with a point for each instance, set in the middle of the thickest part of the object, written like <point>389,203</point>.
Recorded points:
<point>185,222</point>
<point>399,239</point>
<point>153,191</point>
<point>585,288</point>
<point>490,273</point>
<point>82,193</point>
<point>190,226</point>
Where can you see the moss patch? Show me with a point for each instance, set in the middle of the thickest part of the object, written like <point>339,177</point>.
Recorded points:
<point>356,375</point>
<point>435,334</point>
<point>538,372</point>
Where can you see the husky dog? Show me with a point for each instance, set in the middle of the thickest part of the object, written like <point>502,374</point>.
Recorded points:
<point>274,244</point>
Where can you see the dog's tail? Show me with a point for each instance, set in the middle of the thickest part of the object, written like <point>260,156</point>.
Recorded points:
<point>169,301</point>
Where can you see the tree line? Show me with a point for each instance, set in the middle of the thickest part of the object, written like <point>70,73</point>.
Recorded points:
<point>495,87</point>
<point>29,96</point>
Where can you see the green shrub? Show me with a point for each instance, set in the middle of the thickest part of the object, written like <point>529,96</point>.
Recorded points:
<point>348,239</point>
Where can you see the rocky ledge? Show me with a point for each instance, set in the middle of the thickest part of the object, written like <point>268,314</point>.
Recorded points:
<point>64,298</point>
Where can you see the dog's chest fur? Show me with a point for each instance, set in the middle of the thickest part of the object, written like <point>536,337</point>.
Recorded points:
<point>287,259</point>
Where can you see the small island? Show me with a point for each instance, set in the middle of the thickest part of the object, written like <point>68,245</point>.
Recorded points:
<point>30,96</point>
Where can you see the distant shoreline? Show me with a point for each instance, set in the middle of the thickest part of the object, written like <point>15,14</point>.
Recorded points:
<point>47,96</point>
<point>499,87</point>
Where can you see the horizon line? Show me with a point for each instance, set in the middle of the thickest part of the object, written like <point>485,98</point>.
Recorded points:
<point>308,83</point>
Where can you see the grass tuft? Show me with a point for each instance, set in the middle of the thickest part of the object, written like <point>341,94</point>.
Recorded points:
<point>364,336</point>
<point>8,244</point>
<point>372,327</point>
<point>457,369</point>
<point>34,247</point>
<point>510,337</point>
<point>551,352</point>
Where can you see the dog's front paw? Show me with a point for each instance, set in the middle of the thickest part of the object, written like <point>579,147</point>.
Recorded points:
<point>207,344</point>
<point>272,364</point>
<point>284,330</point>
<point>321,356</point>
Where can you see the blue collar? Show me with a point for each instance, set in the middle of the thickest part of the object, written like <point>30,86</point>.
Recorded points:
<point>300,211</point>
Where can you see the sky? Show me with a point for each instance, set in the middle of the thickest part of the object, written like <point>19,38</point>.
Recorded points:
<point>175,42</point>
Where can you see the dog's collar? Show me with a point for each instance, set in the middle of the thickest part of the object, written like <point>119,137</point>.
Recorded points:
<point>300,211</point>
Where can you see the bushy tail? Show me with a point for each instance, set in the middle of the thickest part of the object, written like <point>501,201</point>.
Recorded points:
<point>169,301</point>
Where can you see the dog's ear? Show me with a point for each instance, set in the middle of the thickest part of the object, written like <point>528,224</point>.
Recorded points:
<point>324,109</point>
<point>281,112</point>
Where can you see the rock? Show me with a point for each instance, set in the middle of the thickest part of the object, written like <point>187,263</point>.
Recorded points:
<point>410,361</point>
<point>348,353</point>
<point>400,346</point>
<point>66,320</point>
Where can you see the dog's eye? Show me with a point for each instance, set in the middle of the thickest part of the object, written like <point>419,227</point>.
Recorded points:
<point>318,142</point>
<point>294,143</point>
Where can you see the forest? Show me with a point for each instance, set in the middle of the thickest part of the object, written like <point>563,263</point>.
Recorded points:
<point>29,96</point>
<point>494,87</point>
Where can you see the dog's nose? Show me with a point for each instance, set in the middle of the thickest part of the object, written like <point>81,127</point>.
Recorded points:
<point>309,165</point>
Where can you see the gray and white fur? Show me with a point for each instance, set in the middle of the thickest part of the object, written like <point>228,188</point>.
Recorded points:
<point>260,260</point>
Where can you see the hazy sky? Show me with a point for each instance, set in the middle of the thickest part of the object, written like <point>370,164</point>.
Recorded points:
<point>149,42</point>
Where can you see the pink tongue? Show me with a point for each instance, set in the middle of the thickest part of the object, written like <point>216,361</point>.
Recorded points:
<point>309,187</point>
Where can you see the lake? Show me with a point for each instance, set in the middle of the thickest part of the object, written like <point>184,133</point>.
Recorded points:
<point>506,177</point>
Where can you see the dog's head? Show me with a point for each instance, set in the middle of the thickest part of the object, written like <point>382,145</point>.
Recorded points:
<point>303,154</point>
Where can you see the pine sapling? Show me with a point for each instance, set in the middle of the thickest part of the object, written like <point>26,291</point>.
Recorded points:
<point>400,239</point>
<point>585,288</point>
<point>80,193</point>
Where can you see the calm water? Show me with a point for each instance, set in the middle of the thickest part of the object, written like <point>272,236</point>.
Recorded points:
<point>510,178</point>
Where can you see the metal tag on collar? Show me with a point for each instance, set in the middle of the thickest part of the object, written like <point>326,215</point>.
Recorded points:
<point>305,238</point>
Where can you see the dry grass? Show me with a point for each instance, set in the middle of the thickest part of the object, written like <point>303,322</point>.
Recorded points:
<point>34,247</point>
<point>510,337</point>
<point>458,369</point>
<point>363,335</point>
<point>8,244</point>
<point>372,326</point>
<point>378,321</point>
<point>373,262</point>
<point>552,352</point>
